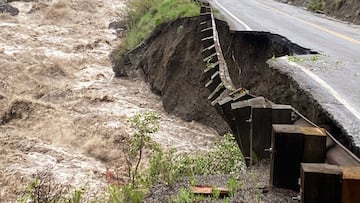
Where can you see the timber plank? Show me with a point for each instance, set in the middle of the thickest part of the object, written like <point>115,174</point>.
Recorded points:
<point>320,183</point>
<point>291,146</point>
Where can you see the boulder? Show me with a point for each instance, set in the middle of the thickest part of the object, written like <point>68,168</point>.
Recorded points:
<point>6,8</point>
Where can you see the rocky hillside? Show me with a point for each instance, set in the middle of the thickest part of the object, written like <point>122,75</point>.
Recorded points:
<point>346,10</point>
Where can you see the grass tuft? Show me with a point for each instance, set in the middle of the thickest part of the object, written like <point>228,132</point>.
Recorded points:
<point>144,15</point>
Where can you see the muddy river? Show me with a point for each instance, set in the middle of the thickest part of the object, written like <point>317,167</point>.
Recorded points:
<point>61,109</point>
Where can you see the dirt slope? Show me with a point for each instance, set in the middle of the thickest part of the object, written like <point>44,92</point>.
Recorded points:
<point>171,61</point>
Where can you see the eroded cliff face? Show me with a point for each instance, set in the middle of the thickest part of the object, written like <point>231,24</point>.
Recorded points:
<point>170,60</point>
<point>248,55</point>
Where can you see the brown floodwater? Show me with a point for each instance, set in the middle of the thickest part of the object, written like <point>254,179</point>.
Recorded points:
<point>61,109</point>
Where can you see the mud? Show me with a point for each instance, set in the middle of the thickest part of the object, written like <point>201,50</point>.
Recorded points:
<point>173,65</point>
<point>171,61</point>
<point>61,109</point>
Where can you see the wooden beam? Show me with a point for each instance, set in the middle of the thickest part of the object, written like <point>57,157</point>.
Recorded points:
<point>242,111</point>
<point>261,129</point>
<point>281,114</point>
<point>291,146</point>
<point>351,185</point>
<point>320,183</point>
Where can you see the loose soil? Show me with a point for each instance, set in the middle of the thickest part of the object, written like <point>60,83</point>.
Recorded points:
<point>254,187</point>
<point>61,109</point>
<point>170,60</point>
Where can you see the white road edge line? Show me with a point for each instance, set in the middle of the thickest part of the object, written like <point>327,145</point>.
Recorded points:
<point>234,17</point>
<point>306,71</point>
<point>327,87</point>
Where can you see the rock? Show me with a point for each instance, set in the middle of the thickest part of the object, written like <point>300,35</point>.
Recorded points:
<point>113,25</point>
<point>6,8</point>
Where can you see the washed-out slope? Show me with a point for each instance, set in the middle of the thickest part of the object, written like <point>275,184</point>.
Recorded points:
<point>170,60</point>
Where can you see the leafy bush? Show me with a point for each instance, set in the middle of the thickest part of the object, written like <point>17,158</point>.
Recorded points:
<point>233,185</point>
<point>161,167</point>
<point>126,193</point>
<point>315,5</point>
<point>224,158</point>
<point>184,196</point>
<point>144,124</point>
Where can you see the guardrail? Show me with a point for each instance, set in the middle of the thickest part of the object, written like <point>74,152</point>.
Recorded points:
<point>297,148</point>
<point>216,67</point>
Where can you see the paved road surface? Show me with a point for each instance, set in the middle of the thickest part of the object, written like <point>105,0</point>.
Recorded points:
<point>334,79</point>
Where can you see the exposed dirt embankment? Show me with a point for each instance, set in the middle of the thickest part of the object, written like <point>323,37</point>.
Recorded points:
<point>246,54</point>
<point>171,61</point>
<point>346,10</point>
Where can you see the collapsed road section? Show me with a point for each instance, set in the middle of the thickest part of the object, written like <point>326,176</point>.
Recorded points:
<point>196,64</point>
<point>298,148</point>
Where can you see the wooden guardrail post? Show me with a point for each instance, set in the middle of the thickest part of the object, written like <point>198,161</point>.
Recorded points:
<point>261,120</point>
<point>242,115</point>
<point>254,118</point>
<point>281,114</point>
<point>292,145</point>
<point>225,105</point>
<point>320,183</point>
<point>351,185</point>
<point>242,112</point>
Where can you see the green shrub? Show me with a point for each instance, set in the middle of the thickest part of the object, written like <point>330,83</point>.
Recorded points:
<point>161,167</point>
<point>165,166</point>
<point>315,5</point>
<point>233,185</point>
<point>143,124</point>
<point>126,193</point>
<point>184,196</point>
<point>224,158</point>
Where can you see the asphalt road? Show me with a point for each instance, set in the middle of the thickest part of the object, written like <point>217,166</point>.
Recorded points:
<point>334,78</point>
